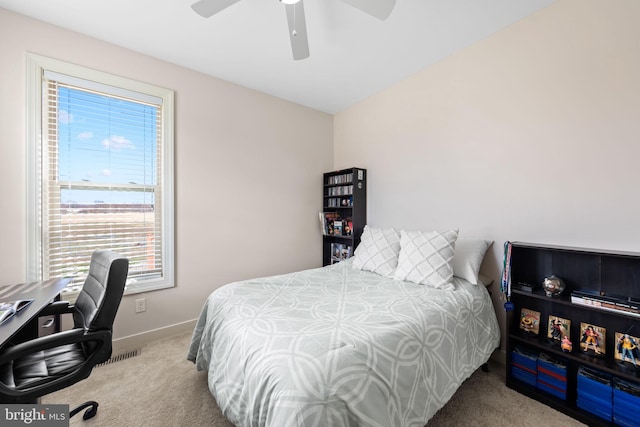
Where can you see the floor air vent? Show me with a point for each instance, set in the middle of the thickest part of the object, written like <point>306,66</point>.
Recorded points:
<point>119,357</point>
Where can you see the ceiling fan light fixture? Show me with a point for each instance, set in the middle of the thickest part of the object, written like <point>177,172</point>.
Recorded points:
<point>295,17</point>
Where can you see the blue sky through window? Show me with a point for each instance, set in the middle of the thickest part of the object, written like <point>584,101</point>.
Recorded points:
<point>106,140</point>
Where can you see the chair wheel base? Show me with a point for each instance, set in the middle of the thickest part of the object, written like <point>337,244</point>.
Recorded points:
<point>89,413</point>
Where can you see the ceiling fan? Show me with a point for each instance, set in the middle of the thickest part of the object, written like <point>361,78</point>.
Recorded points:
<point>381,9</point>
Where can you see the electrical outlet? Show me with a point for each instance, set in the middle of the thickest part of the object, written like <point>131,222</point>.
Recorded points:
<point>141,305</point>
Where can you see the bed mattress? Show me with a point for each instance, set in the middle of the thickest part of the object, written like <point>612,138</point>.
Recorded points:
<point>337,346</point>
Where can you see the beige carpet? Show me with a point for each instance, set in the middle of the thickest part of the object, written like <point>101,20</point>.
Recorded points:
<point>159,387</point>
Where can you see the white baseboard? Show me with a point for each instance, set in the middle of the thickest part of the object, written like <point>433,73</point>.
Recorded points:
<point>131,342</point>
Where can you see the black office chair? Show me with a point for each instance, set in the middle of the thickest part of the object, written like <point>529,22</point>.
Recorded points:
<point>40,366</point>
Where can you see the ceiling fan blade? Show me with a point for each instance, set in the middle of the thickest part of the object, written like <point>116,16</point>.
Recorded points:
<point>207,8</point>
<point>297,30</point>
<point>381,9</point>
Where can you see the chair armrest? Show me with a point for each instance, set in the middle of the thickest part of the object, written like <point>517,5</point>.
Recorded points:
<point>56,307</point>
<point>98,354</point>
<point>54,340</point>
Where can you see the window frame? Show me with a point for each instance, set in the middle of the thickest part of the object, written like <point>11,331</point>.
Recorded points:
<point>35,138</point>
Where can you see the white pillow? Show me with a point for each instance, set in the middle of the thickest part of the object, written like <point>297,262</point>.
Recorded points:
<point>468,258</point>
<point>378,251</point>
<point>425,257</point>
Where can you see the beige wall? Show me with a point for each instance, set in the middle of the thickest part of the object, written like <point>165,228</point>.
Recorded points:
<point>248,172</point>
<point>532,135</point>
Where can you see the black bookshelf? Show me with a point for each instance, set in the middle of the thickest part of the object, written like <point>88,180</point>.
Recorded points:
<point>597,271</point>
<point>344,194</point>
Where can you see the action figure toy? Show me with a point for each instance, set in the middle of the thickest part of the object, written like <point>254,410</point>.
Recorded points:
<point>627,347</point>
<point>591,338</point>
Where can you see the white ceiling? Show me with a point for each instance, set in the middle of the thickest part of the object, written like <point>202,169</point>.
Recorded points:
<point>353,55</point>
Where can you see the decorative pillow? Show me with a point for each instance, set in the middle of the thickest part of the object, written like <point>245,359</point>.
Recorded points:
<point>378,251</point>
<point>425,257</point>
<point>468,258</point>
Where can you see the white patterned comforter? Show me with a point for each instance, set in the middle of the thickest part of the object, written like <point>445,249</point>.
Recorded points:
<point>336,346</point>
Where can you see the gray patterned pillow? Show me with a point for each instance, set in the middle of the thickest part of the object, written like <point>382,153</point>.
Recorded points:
<point>425,258</point>
<point>378,251</point>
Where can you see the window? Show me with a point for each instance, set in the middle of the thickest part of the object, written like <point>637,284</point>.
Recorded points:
<point>100,174</point>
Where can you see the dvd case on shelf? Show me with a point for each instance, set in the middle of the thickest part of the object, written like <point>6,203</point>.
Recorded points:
<point>340,252</point>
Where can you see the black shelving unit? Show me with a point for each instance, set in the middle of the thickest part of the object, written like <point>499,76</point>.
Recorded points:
<point>604,272</point>
<point>345,193</point>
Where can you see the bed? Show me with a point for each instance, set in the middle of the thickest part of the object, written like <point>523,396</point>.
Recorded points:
<point>340,346</point>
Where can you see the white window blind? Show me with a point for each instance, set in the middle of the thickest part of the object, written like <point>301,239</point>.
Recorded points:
<point>102,182</point>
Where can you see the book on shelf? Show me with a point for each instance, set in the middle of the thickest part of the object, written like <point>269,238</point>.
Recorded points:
<point>337,227</point>
<point>340,179</point>
<point>327,220</point>
<point>331,224</point>
<point>321,218</point>
<point>337,202</point>
<point>607,302</point>
<point>9,308</point>
<point>344,190</point>
<point>340,252</point>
